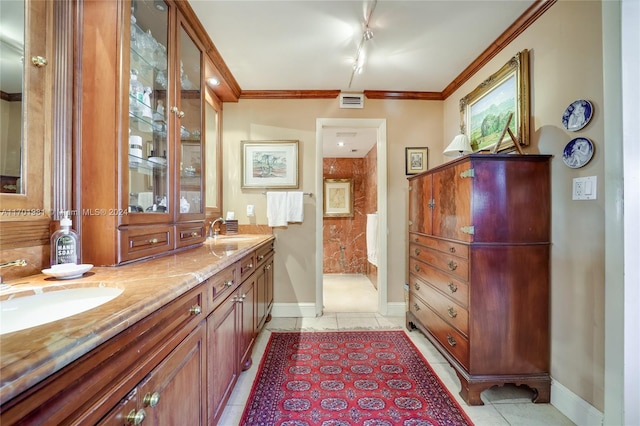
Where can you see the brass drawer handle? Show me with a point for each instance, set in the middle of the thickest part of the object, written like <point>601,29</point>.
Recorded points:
<point>153,241</point>
<point>151,399</point>
<point>416,307</point>
<point>195,310</point>
<point>452,265</point>
<point>417,251</point>
<point>416,286</point>
<point>249,266</point>
<point>267,267</point>
<point>452,287</point>
<point>39,61</point>
<point>228,283</point>
<point>260,257</point>
<point>417,268</point>
<point>451,340</point>
<point>136,417</point>
<point>452,249</point>
<point>452,312</point>
<point>194,234</point>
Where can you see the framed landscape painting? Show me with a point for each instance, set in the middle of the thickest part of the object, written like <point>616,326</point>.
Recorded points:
<point>270,164</point>
<point>485,111</point>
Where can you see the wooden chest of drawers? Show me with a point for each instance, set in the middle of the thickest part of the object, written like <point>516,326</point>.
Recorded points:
<point>479,269</point>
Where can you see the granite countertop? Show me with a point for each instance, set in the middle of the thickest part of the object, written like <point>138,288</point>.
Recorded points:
<point>31,355</point>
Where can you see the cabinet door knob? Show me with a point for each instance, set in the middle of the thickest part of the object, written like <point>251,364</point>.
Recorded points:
<point>260,257</point>
<point>195,310</point>
<point>228,283</point>
<point>151,399</point>
<point>39,61</point>
<point>452,287</point>
<point>136,417</point>
<point>452,265</point>
<point>451,340</point>
<point>268,267</point>
<point>452,312</point>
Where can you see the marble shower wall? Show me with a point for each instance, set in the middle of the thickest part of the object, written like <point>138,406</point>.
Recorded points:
<point>344,242</point>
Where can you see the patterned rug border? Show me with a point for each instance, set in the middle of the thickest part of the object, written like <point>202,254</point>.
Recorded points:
<point>401,332</point>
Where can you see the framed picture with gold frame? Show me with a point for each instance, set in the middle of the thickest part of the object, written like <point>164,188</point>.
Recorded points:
<point>338,198</point>
<point>484,112</point>
<point>270,164</point>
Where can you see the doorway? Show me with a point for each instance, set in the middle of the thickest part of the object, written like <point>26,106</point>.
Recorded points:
<point>378,127</point>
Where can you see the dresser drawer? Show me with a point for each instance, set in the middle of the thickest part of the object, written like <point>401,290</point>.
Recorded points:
<point>450,339</point>
<point>454,287</point>
<point>223,283</point>
<point>455,249</point>
<point>143,241</point>
<point>189,234</point>
<point>454,265</point>
<point>453,313</point>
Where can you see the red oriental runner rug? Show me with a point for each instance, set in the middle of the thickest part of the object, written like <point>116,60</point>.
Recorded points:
<point>348,378</point>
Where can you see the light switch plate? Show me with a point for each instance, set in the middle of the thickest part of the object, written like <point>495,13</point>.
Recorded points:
<point>251,211</point>
<point>584,188</point>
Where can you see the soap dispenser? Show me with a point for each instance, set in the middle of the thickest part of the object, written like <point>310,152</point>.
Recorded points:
<point>65,244</point>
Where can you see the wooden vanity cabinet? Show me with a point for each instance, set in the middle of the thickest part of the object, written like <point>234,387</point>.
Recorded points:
<point>479,231</point>
<point>140,163</point>
<point>264,284</point>
<point>153,355</point>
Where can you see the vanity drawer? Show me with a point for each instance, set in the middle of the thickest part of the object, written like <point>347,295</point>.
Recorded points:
<point>455,249</point>
<point>190,234</point>
<point>137,242</point>
<point>451,340</point>
<point>223,283</point>
<point>444,261</point>
<point>247,266</point>
<point>263,252</point>
<point>450,311</point>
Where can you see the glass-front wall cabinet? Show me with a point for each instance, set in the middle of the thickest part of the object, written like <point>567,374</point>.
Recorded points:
<point>149,129</point>
<point>190,150</point>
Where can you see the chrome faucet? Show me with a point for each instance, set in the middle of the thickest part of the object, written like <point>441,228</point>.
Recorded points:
<point>213,233</point>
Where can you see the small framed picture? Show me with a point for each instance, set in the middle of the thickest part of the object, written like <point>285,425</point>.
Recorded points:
<point>416,160</point>
<point>338,198</point>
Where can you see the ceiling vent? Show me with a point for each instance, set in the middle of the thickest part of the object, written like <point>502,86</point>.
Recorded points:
<point>351,100</point>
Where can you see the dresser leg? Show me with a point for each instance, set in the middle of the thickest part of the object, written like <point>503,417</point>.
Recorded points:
<point>470,392</point>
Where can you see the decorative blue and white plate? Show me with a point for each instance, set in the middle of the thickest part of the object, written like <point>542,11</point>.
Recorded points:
<point>577,152</point>
<point>577,115</point>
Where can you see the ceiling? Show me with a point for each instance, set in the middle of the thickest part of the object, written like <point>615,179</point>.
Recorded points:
<point>417,46</point>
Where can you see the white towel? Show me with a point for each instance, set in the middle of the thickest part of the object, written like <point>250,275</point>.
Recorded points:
<point>295,206</point>
<point>372,238</point>
<point>277,208</point>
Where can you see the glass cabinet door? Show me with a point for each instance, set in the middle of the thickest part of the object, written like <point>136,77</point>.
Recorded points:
<point>148,100</point>
<point>190,147</point>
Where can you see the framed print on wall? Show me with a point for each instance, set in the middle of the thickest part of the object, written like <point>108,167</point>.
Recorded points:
<point>484,111</point>
<point>270,164</point>
<point>416,160</point>
<point>338,198</point>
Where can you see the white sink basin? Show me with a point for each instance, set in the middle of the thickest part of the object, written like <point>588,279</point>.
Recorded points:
<point>20,311</point>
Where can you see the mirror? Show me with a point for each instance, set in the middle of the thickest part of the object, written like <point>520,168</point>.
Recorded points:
<point>11,72</point>
<point>24,75</point>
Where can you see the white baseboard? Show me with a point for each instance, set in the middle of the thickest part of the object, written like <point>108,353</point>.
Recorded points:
<point>293,310</point>
<point>575,408</point>
<point>308,310</point>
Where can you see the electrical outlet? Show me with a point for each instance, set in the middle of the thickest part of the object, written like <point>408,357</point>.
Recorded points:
<point>584,188</point>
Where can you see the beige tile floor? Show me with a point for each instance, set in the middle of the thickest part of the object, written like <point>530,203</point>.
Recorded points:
<point>503,406</point>
<point>348,293</point>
